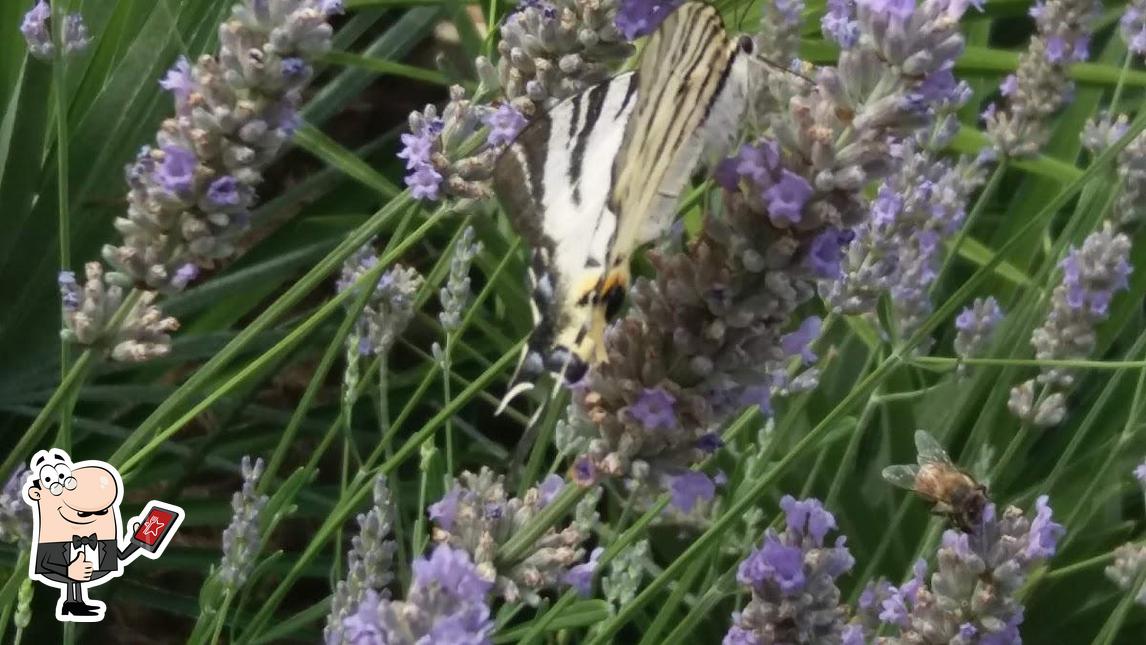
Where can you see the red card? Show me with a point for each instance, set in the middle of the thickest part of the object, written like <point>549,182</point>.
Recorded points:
<point>154,526</point>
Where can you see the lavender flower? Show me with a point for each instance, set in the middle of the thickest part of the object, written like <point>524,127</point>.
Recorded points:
<point>88,313</point>
<point>637,18</point>
<point>504,123</point>
<point>446,604</point>
<point>37,32</point>
<point>792,580</point>
<point>190,194</point>
<point>242,540</point>
<point>1092,274</point>
<point>15,514</point>
<point>436,153</point>
<point>368,564</point>
<point>706,329</point>
<point>1131,204</point>
<point>1101,133</point>
<point>779,36</point>
<point>1140,473</point>
<point>900,248</point>
<point>839,23</point>
<point>690,488</point>
<point>1132,27</point>
<point>552,50</point>
<point>456,294</point>
<point>389,309</point>
<point>580,576</point>
<point>975,326</point>
<point>1128,569</point>
<point>972,593</point>
<point>1039,87</point>
<point>476,516</point>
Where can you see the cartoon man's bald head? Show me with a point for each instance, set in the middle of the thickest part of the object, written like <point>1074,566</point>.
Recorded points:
<point>72,499</point>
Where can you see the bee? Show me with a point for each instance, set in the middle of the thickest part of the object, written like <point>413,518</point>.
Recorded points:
<point>954,493</point>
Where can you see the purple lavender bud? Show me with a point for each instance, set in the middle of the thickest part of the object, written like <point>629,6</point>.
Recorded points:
<point>445,510</point>
<point>709,443</point>
<point>786,198</point>
<point>452,571</point>
<point>738,636</point>
<point>976,325</point>
<point>1044,532</point>
<point>242,539</point>
<point>69,291</point>
<point>179,80</point>
<point>176,173</point>
<point>839,23</point>
<point>654,409</point>
<point>580,576</point>
<point>690,488</point>
<point>185,275</point>
<point>549,488</point>
<point>35,30</point>
<point>364,626</point>
<point>853,635</point>
<point>799,342</point>
<point>76,36</point>
<point>416,149</point>
<point>504,124</point>
<point>224,192</point>
<point>637,18</point>
<point>294,68</point>
<point>584,471</point>
<point>1132,27</point>
<point>807,517</point>
<point>824,253</point>
<point>424,182</point>
<point>15,514</point>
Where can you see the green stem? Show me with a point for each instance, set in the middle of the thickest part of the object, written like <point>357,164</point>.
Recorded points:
<point>1121,83</point>
<point>59,72</point>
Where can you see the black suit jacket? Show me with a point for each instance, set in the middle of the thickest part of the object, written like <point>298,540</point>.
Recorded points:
<point>54,557</point>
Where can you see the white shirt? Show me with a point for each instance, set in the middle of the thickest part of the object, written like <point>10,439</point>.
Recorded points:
<point>91,554</point>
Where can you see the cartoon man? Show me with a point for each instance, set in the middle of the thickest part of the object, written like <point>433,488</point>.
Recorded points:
<point>75,530</point>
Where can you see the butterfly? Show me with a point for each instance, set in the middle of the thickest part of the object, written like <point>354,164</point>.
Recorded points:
<point>600,174</point>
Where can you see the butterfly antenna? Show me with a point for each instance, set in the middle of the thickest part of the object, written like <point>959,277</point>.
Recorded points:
<point>786,70</point>
<point>516,388</point>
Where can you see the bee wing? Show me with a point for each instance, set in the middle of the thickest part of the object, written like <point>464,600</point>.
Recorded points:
<point>928,449</point>
<point>902,475</point>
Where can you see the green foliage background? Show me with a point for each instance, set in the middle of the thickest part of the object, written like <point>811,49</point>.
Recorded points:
<point>257,365</point>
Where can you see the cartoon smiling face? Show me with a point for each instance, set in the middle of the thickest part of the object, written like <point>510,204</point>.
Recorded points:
<point>74,500</point>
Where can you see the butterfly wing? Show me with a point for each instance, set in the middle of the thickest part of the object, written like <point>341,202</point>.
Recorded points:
<point>693,80</point>
<point>554,182</point>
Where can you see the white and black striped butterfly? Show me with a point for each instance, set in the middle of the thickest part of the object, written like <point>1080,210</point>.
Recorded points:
<point>601,173</point>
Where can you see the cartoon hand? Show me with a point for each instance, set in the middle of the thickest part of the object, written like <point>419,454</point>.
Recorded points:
<point>80,569</point>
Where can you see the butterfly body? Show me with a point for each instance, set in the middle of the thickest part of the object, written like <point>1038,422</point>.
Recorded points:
<point>601,173</point>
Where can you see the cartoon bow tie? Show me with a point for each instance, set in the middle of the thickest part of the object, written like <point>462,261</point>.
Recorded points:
<point>84,540</point>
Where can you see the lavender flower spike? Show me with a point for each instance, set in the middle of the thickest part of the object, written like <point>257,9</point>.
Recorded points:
<point>88,312</point>
<point>1132,27</point>
<point>242,539</point>
<point>15,514</point>
<point>975,326</point>
<point>970,598</point>
<point>1092,274</point>
<point>369,564</point>
<point>389,309</point>
<point>552,50</point>
<point>37,31</point>
<point>447,603</point>
<point>1128,568</point>
<point>792,580</point>
<point>456,294</point>
<point>1039,87</point>
<point>436,159</point>
<point>476,516</point>
<point>191,193</point>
